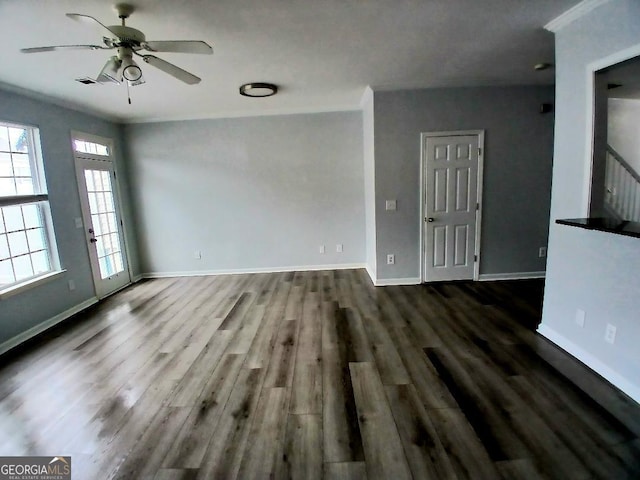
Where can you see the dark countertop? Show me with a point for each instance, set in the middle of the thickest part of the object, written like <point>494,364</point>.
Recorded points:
<point>603,224</point>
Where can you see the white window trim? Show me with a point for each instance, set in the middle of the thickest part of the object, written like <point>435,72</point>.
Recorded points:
<point>29,284</point>
<point>38,175</point>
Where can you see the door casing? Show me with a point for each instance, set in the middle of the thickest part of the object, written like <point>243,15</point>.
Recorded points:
<point>80,161</point>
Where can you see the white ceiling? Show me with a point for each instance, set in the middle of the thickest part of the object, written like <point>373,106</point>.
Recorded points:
<point>322,53</point>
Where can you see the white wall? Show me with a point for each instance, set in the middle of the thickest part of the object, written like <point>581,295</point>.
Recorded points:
<point>624,129</point>
<point>258,193</point>
<point>598,273</point>
<point>369,180</point>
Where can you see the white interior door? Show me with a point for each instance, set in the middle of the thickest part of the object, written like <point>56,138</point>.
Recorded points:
<point>452,182</point>
<point>103,225</point>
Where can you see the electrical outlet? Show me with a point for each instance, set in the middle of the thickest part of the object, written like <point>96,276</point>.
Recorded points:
<point>197,254</point>
<point>339,248</point>
<point>321,249</point>
<point>580,317</point>
<point>390,205</point>
<point>72,285</point>
<point>542,252</point>
<point>391,259</point>
<point>78,222</point>
<point>610,334</point>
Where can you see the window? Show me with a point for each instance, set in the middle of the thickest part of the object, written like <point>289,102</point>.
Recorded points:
<point>26,238</point>
<point>85,146</point>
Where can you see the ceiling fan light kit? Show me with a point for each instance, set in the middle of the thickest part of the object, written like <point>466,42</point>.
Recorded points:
<point>128,42</point>
<point>109,72</point>
<point>258,89</point>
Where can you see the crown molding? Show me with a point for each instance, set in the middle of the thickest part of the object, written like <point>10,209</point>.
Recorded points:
<point>42,97</point>
<point>573,14</point>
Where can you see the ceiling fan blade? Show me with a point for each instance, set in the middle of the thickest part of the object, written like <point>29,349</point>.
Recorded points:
<point>171,69</point>
<point>178,46</point>
<point>88,20</point>
<point>62,47</point>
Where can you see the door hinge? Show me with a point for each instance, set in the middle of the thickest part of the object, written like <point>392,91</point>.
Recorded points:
<point>479,151</point>
<point>477,206</point>
<point>475,258</point>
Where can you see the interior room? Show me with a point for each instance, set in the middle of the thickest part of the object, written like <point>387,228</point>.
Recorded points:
<point>359,239</point>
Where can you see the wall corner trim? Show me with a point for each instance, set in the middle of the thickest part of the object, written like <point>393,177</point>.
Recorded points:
<point>489,277</point>
<point>367,95</point>
<point>47,324</point>
<point>624,384</point>
<point>573,14</point>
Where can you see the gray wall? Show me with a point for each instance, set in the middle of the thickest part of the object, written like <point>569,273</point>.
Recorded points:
<point>32,307</point>
<point>517,171</point>
<point>249,193</point>
<point>369,179</point>
<point>596,272</point>
<point>624,129</point>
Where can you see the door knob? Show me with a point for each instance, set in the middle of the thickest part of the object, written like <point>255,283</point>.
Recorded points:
<point>93,240</point>
<point>430,219</point>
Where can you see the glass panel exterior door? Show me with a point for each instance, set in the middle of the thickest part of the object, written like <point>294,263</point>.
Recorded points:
<point>106,234</point>
<point>103,228</point>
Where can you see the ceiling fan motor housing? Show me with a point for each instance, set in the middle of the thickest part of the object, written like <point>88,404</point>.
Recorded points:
<point>127,36</point>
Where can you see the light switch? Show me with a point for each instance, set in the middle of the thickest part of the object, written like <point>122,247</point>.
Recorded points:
<point>390,205</point>
<point>78,221</point>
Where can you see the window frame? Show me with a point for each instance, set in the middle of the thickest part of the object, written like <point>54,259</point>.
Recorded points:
<point>40,198</point>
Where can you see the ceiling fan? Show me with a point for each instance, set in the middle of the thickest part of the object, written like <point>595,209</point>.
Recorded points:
<point>128,42</point>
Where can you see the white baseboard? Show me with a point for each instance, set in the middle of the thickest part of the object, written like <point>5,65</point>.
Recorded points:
<point>137,278</point>
<point>386,282</point>
<point>624,384</point>
<point>240,271</point>
<point>487,277</point>
<point>41,327</point>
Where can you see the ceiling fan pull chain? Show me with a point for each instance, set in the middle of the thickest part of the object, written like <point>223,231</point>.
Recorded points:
<point>128,94</point>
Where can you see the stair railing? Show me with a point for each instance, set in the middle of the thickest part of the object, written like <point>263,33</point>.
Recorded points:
<point>622,187</point>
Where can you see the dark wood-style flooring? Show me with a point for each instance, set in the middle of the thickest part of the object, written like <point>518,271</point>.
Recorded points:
<point>314,375</point>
